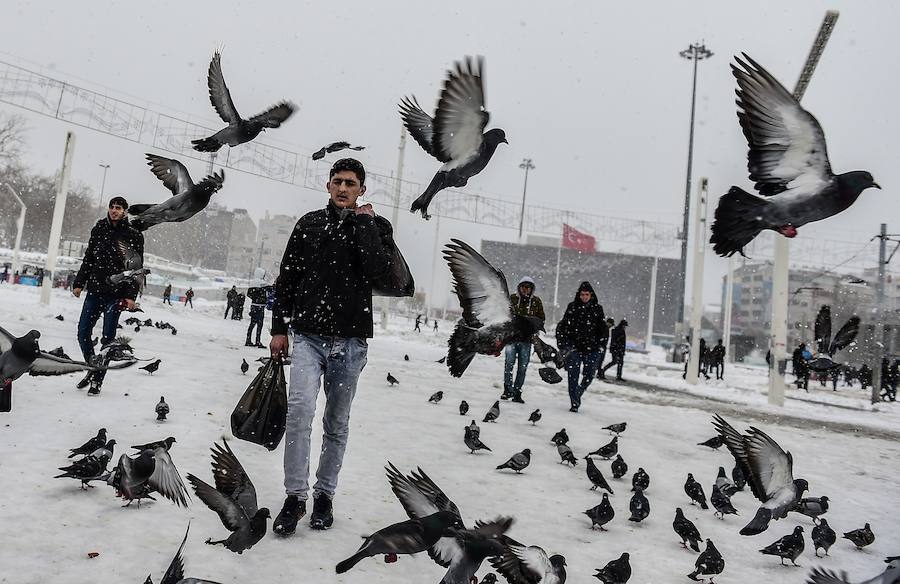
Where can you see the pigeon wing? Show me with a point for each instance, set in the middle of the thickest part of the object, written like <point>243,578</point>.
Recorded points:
<point>219,96</point>
<point>820,576</point>
<point>460,118</point>
<point>232,480</point>
<point>166,480</point>
<point>231,514</point>
<point>434,493</point>
<point>772,466</point>
<point>172,173</point>
<point>212,182</point>
<point>787,144</point>
<point>481,288</point>
<point>6,340</point>
<point>175,572</point>
<point>737,445</point>
<point>275,115</point>
<point>822,329</point>
<point>515,570</point>
<point>845,336</point>
<point>420,126</point>
<point>533,559</point>
<point>131,258</point>
<point>47,364</point>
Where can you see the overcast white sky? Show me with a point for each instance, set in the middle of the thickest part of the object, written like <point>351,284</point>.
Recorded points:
<point>594,92</point>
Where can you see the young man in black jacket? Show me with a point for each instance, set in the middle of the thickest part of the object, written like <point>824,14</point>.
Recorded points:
<point>110,239</point>
<point>617,348</point>
<point>579,334</point>
<point>324,296</point>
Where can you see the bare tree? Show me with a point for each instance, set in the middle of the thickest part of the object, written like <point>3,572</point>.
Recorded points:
<point>12,137</point>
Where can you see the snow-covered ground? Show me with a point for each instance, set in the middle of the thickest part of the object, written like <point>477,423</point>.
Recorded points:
<point>48,526</point>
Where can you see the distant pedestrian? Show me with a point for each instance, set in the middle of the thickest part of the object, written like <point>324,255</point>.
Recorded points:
<point>801,368</point>
<point>617,348</point>
<point>435,326</point>
<point>604,344</point>
<point>237,313</point>
<point>701,367</point>
<point>717,359</point>
<point>167,295</point>
<point>524,303</point>
<point>865,376</point>
<point>229,300</point>
<point>189,297</point>
<point>5,273</point>
<point>257,315</point>
<point>578,336</point>
<point>418,325</point>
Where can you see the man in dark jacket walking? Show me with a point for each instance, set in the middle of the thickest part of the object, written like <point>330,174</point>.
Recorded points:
<point>801,368</point>
<point>111,239</point>
<point>189,297</point>
<point>229,300</point>
<point>524,303</point>
<point>324,295</point>
<point>167,295</point>
<point>258,300</point>
<point>617,348</point>
<point>579,335</point>
<point>601,372</point>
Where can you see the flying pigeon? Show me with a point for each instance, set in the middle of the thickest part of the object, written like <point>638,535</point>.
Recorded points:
<point>89,468</point>
<point>162,409</point>
<point>607,451</point>
<point>90,446</point>
<point>463,408</point>
<point>560,437</point>
<point>188,198</point>
<point>436,397</point>
<point>407,537</point>
<point>812,507</point>
<point>493,413</point>
<point>823,536</point>
<point>639,506</point>
<point>454,136</point>
<point>861,537</point>
<point>133,271</point>
<point>152,470</point>
<point>709,563</point>
<point>616,428</point>
<point>616,571</point>
<point>788,547</point>
<point>535,417</point>
<point>769,470</point>
<point>596,477</point>
<point>891,575</point>
<point>175,572</point>
<point>151,367</point>
<point>547,353</point>
<point>391,379</point>
<point>721,503</point>
<point>472,439</point>
<point>694,490</point>
<point>640,480</point>
<point>787,161</point>
<point>244,366</point>
<point>827,346</point>
<point>238,130</point>
<point>488,323</point>
<point>601,514</point>
<point>530,565</point>
<point>334,147</point>
<point>686,530</point>
<point>233,499</point>
<point>565,454</point>
<point>715,443</point>
<point>619,467</point>
<point>518,461</point>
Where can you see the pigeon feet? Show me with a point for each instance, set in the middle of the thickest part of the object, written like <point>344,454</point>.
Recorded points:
<point>788,231</point>
<point>390,558</point>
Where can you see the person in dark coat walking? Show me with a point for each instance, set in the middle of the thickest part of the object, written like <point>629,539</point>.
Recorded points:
<point>579,335</point>
<point>865,376</point>
<point>601,372</point>
<point>229,301</point>
<point>110,238</point>
<point>801,368</point>
<point>257,298</point>
<point>324,298</point>
<point>418,325</point>
<point>524,303</point>
<point>617,348</point>
<point>717,359</point>
<point>167,295</point>
<point>237,313</point>
<point>701,362</point>
<point>189,297</point>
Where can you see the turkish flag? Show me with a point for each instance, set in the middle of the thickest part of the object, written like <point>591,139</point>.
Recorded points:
<point>574,239</point>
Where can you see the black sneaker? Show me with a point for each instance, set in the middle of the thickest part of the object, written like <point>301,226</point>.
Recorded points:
<point>574,409</point>
<point>95,388</point>
<point>85,381</point>
<point>290,514</point>
<point>322,516</point>
<point>517,398</point>
<point>248,343</point>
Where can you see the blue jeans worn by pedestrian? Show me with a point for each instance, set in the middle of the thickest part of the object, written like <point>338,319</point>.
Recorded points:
<point>574,364</point>
<point>514,351</point>
<point>335,363</point>
<point>94,305</point>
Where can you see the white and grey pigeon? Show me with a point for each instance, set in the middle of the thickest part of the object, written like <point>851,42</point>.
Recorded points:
<point>87,469</point>
<point>891,575</point>
<point>150,471</point>
<point>455,136</point>
<point>530,565</point>
<point>134,267</point>
<point>188,198</point>
<point>787,161</point>
<point>335,147</point>
<point>238,129</point>
<point>175,572</point>
<point>825,345</point>
<point>769,471</point>
<point>488,323</point>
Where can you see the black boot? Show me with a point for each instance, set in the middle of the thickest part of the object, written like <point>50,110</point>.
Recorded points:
<point>322,515</point>
<point>517,397</point>
<point>85,381</point>
<point>290,514</point>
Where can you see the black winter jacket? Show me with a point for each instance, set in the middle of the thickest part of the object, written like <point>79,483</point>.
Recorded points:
<point>583,326</point>
<point>617,340</point>
<point>103,258</point>
<point>325,283</point>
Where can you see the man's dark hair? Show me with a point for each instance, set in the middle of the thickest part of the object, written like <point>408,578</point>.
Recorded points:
<point>119,200</point>
<point>350,164</point>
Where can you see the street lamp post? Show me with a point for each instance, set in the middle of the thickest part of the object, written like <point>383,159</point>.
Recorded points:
<point>20,226</point>
<point>527,165</point>
<point>105,168</point>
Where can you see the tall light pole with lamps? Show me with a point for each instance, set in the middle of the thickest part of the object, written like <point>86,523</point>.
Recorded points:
<point>527,165</point>
<point>105,168</point>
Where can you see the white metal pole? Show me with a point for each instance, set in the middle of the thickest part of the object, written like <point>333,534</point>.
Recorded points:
<point>59,211</point>
<point>20,227</point>
<point>434,267</point>
<point>652,310</point>
<point>556,282</point>
<point>697,281</point>
<point>729,301</point>
<point>398,182</point>
<point>105,168</point>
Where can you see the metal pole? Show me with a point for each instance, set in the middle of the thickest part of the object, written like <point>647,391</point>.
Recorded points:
<point>697,282</point>
<point>434,266</point>
<point>652,309</point>
<point>105,168</point>
<point>401,151</point>
<point>59,211</point>
<point>556,282</point>
<point>527,165</point>
<point>20,227</point>
<point>879,317</point>
<point>729,306</point>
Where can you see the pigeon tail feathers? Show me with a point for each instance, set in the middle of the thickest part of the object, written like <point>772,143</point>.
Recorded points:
<point>206,145</point>
<point>461,352</point>
<point>438,183</point>
<point>737,221</point>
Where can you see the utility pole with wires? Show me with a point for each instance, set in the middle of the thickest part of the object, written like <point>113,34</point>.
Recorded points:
<point>883,261</point>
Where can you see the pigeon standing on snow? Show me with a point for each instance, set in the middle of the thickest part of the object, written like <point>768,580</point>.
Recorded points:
<point>151,368</point>
<point>769,471</point>
<point>601,514</point>
<point>709,563</point>
<point>607,451</point>
<point>90,446</point>
<point>472,438</point>
<point>89,468</point>
<point>565,454</point>
<point>640,480</point>
<point>244,367</point>
<point>787,161</point>
<point>59,317</point>
<point>724,484</point>
<point>436,397</point>
<point>162,409</point>
<point>493,413</point>
<point>454,136</point>
<point>391,379</point>
<point>530,565</point>
<point>619,467</point>
<point>233,499</point>
<point>788,547</point>
<point>639,506</point>
<point>686,530</point>
<point>616,571</point>
<point>188,198</point>
<point>891,575</point>
<point>463,408</point>
<point>721,502</point>
<point>152,470</point>
<point>596,477</point>
<point>823,536</point>
<point>334,147</point>
<point>175,572</point>
<point>861,537</point>
<point>616,428</point>
<point>694,490</point>
<point>560,437</point>
<point>518,461</point>
<point>105,450</point>
<point>238,130</point>
<point>813,507</point>
<point>715,443</point>
<point>488,323</point>
<point>535,417</point>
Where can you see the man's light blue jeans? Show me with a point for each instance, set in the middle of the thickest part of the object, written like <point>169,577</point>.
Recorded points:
<point>335,363</point>
<point>513,352</point>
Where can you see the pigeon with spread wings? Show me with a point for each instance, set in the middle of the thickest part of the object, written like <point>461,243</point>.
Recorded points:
<point>238,129</point>
<point>152,470</point>
<point>787,161</point>
<point>188,198</point>
<point>488,323</point>
<point>334,147</point>
<point>827,346</point>
<point>891,575</point>
<point>175,572</point>
<point>455,136</point>
<point>530,565</point>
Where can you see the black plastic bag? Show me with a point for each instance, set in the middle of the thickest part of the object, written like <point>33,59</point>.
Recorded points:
<point>261,413</point>
<point>399,281</point>
<point>549,375</point>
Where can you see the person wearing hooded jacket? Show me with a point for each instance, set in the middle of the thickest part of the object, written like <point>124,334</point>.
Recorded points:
<point>617,348</point>
<point>524,303</point>
<point>579,336</point>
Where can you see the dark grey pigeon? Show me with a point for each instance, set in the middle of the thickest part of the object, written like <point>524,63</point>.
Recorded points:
<point>151,368</point>
<point>769,471</point>
<point>455,135</point>
<point>640,480</point>
<point>391,379</point>
<point>861,537</point>
<point>788,547</point>
<point>530,565</point>
<point>152,470</point>
<point>813,507</point>
<point>89,468</point>
<point>188,198</point>
<point>825,345</point>
<point>724,484</point>
<point>244,366</point>
<point>493,413</point>
<point>639,506</point>
<point>164,444</point>
<point>518,461</point>
<point>547,353</point>
<point>105,450</point>
<point>607,451</point>
<point>407,537</point>
<point>463,408</point>
<point>436,397</point>
<point>601,514</point>
<point>616,428</point>
<point>472,440</point>
<point>488,323</point>
<point>721,503</point>
<point>162,409</point>
<point>615,572</point>
<point>134,270</point>
<point>565,454</point>
<point>737,475</point>
<point>238,130</point>
<point>715,443</point>
<point>596,477</point>
<point>90,446</point>
<point>175,572</point>
<point>560,437</point>
<point>686,530</point>
<point>709,563</point>
<point>823,536</point>
<point>535,417</point>
<point>334,147</point>
<point>619,467</point>
<point>694,490</point>
<point>233,499</point>
<point>59,317</point>
<point>787,161</point>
